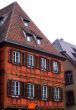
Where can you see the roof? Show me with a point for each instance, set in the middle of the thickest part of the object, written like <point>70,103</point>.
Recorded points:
<point>67,49</point>
<point>12,30</point>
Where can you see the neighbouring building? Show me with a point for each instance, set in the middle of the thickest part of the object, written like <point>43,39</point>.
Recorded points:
<point>31,69</point>
<point>69,51</point>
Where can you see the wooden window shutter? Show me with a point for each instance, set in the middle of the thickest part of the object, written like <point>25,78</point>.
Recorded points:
<point>25,90</point>
<point>22,89</point>
<point>59,67</point>
<point>39,92</point>
<point>9,87</point>
<point>51,93</point>
<point>24,59</point>
<point>47,65</point>
<point>37,62</point>
<point>51,65</point>
<point>61,94</point>
<point>36,91</point>
<point>10,56</point>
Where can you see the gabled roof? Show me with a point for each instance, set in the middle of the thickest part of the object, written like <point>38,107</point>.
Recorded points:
<point>67,49</point>
<point>12,30</point>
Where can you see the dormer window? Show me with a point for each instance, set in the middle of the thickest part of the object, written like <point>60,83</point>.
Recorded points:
<point>2,19</point>
<point>26,22</point>
<point>38,40</point>
<point>29,38</point>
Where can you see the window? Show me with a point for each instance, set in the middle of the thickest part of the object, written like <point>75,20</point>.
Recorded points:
<point>56,94</point>
<point>68,77</point>
<point>38,40</point>
<point>15,89</point>
<point>2,19</point>
<point>30,60</point>
<point>44,92</point>
<point>16,57</point>
<point>30,89</point>
<point>26,22</point>
<point>70,98</point>
<point>55,67</point>
<point>43,64</point>
<point>29,38</point>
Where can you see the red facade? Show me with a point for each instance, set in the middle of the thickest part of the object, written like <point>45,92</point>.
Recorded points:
<point>31,74</point>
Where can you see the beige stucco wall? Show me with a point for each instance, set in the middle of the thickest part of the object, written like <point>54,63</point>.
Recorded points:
<point>69,66</point>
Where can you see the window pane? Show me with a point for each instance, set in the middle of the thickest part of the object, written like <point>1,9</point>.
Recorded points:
<point>43,64</point>
<point>55,67</point>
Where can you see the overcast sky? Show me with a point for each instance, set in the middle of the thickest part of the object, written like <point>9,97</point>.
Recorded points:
<point>55,18</point>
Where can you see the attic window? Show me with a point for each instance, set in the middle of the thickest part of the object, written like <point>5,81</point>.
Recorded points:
<point>37,39</point>
<point>27,36</point>
<point>2,19</point>
<point>26,22</point>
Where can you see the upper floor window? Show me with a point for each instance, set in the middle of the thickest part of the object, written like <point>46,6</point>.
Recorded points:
<point>16,57</point>
<point>57,94</point>
<point>30,89</point>
<point>44,92</point>
<point>70,98</point>
<point>30,60</point>
<point>43,63</point>
<point>55,67</point>
<point>68,77</point>
<point>15,89</point>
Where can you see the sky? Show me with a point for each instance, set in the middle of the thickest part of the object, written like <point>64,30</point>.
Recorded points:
<point>55,18</point>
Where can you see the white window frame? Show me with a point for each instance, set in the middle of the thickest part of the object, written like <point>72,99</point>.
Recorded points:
<point>43,63</point>
<point>15,89</point>
<point>16,57</point>
<point>56,94</point>
<point>44,92</point>
<point>30,61</point>
<point>29,38</point>
<point>30,89</point>
<point>38,41</point>
<point>55,67</point>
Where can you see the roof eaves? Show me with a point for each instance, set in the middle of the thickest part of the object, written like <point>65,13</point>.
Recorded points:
<point>36,49</point>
